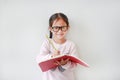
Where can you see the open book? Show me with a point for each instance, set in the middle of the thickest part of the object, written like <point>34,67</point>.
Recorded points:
<point>50,63</point>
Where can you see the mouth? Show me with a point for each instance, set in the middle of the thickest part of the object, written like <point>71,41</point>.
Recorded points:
<point>60,34</point>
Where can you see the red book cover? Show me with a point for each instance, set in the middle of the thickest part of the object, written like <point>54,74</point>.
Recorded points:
<point>50,63</point>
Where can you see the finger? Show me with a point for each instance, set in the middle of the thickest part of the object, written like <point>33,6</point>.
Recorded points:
<point>58,52</point>
<point>58,62</point>
<point>67,60</point>
<point>62,60</point>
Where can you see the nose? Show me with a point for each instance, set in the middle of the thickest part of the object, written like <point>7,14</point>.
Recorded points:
<point>60,29</point>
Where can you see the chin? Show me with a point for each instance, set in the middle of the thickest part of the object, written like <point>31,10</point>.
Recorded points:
<point>60,37</point>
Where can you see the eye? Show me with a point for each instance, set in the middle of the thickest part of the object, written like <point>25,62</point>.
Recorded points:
<point>55,27</point>
<point>64,27</point>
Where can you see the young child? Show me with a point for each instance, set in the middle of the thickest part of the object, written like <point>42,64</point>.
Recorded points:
<point>58,27</point>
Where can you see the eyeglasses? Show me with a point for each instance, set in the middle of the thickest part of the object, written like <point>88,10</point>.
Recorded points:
<point>57,28</point>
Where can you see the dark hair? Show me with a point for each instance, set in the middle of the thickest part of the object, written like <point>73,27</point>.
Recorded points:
<point>57,16</point>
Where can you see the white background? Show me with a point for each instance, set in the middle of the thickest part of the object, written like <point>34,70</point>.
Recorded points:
<point>95,28</point>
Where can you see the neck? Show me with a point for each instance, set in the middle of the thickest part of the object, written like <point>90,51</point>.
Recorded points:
<point>59,41</point>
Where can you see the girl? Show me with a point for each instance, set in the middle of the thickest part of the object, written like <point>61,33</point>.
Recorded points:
<point>58,27</point>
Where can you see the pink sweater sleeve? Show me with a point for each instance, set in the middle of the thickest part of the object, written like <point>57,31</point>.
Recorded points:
<point>44,52</point>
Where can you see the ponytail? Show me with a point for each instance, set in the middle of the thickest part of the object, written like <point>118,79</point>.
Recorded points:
<point>50,36</point>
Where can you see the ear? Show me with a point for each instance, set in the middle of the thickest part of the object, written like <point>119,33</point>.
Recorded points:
<point>50,28</point>
<point>68,27</point>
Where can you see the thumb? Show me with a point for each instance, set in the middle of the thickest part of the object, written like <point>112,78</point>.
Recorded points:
<point>67,60</point>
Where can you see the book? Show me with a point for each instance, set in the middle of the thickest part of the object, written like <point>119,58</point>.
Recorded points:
<point>50,63</point>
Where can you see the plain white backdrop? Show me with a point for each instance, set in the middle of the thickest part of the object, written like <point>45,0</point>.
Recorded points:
<point>95,28</point>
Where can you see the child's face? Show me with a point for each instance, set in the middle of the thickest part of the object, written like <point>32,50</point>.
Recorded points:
<point>59,29</point>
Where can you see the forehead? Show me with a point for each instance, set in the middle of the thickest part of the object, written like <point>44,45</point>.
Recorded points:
<point>59,22</point>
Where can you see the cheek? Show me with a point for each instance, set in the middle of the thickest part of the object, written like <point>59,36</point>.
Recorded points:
<point>54,32</point>
<point>66,32</point>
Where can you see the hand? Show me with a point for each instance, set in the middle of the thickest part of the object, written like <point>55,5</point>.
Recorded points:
<point>56,53</point>
<point>62,62</point>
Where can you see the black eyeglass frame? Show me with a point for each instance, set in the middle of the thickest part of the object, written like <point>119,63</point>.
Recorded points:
<point>62,28</point>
